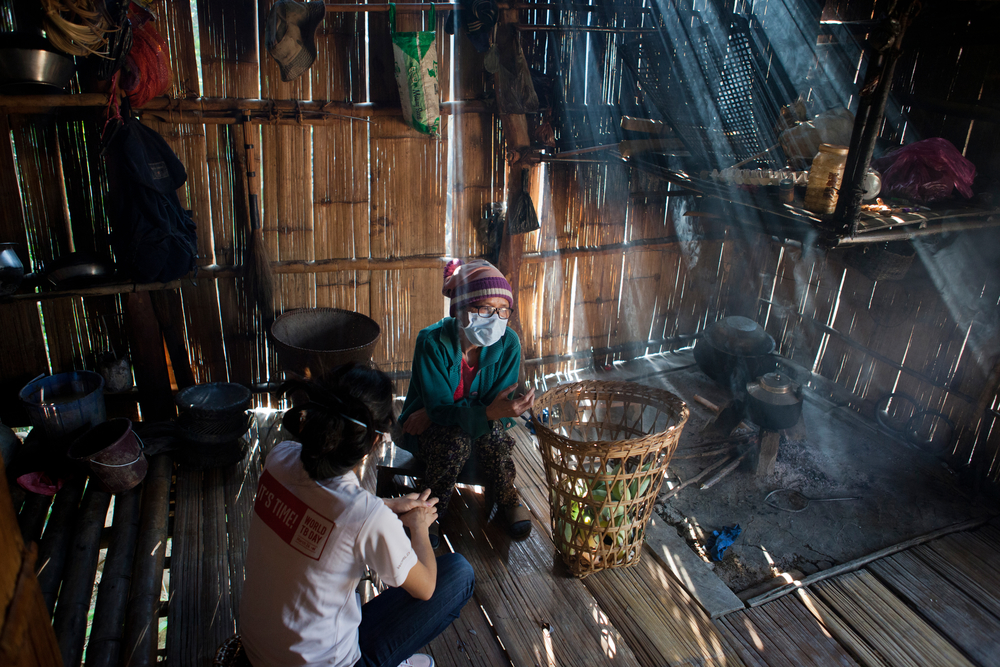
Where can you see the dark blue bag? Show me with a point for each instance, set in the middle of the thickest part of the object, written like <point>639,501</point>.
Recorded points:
<point>153,237</point>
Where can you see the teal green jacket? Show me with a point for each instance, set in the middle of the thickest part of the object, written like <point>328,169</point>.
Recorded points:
<point>437,370</point>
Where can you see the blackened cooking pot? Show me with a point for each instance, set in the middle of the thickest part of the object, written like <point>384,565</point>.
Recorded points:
<point>734,350</point>
<point>774,402</point>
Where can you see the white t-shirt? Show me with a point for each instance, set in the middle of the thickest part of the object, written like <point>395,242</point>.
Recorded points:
<point>308,546</point>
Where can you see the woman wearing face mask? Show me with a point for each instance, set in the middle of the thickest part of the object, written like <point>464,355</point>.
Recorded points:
<point>465,369</point>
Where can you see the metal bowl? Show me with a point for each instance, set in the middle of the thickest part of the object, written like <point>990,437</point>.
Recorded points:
<point>28,68</point>
<point>311,342</point>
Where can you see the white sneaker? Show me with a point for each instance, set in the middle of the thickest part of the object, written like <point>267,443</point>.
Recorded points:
<point>418,660</point>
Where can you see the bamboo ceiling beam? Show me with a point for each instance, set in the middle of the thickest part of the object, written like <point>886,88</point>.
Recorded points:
<point>410,7</point>
<point>301,267</point>
<point>209,105</point>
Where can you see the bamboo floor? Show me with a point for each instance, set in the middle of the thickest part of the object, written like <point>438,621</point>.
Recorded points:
<point>168,561</point>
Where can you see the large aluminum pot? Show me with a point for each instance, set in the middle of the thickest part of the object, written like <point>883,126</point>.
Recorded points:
<point>734,350</point>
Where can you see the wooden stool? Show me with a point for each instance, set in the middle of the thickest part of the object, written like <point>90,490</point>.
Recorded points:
<point>396,461</point>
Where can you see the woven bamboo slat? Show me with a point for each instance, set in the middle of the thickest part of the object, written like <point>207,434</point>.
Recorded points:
<point>841,631</point>
<point>642,603</point>
<point>403,303</point>
<point>381,65</point>
<point>404,221</point>
<point>202,194</point>
<point>598,303</point>
<point>791,616</point>
<point>288,208</point>
<point>953,613</point>
<point>184,619</point>
<point>40,186</point>
<point>736,643</point>
<point>339,196</point>
<point>973,557</point>
<point>474,187</point>
<point>970,574</point>
<point>885,622</point>
<point>537,622</point>
<point>759,645</point>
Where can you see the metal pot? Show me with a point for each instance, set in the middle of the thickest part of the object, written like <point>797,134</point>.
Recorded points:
<point>77,269</point>
<point>774,402</point>
<point>11,269</point>
<point>733,350</point>
<point>30,65</point>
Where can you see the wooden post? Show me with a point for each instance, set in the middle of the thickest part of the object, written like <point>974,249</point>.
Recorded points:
<point>167,304</point>
<point>518,140</point>
<point>148,360</point>
<point>871,111</point>
<point>769,441</point>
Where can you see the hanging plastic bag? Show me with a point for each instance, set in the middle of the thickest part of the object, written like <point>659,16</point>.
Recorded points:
<point>415,54</point>
<point>515,91</point>
<point>523,218</point>
<point>926,171</point>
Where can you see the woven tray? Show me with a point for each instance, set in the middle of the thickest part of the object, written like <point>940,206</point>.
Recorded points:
<point>605,447</point>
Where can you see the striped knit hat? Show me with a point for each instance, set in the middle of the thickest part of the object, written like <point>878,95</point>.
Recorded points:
<point>468,282</point>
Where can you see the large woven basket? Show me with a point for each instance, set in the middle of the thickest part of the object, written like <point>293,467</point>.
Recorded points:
<point>605,446</point>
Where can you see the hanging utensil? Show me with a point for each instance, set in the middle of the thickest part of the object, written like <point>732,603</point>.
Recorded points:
<point>790,500</point>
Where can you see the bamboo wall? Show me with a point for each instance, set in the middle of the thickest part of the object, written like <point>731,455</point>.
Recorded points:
<point>361,213</point>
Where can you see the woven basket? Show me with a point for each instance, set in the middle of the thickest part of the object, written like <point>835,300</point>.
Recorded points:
<point>605,445</point>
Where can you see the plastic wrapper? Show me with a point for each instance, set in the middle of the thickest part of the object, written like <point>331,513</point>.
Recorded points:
<point>926,171</point>
<point>801,142</point>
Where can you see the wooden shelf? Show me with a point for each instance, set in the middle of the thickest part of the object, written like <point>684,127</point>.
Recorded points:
<point>758,208</point>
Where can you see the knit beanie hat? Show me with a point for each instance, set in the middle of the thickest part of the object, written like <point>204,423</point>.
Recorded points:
<point>469,282</point>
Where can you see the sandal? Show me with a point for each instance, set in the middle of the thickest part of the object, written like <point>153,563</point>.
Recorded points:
<point>434,535</point>
<point>518,520</point>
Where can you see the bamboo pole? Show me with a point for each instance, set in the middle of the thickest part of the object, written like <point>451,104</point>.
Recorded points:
<point>78,586</point>
<point>22,103</point>
<point>104,643</point>
<point>697,478</point>
<point>334,265</point>
<point>858,563</point>
<point>54,547</point>
<point>404,8</point>
<point>141,620</point>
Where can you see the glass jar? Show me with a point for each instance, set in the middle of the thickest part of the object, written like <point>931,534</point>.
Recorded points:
<point>825,176</point>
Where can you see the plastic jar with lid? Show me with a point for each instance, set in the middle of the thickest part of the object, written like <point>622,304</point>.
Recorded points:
<point>825,176</point>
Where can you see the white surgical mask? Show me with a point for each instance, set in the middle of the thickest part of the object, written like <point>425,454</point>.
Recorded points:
<point>484,331</point>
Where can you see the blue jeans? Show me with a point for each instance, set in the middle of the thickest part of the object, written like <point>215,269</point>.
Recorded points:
<point>395,625</point>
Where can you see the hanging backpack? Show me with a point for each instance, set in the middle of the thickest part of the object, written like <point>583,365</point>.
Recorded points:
<point>153,237</point>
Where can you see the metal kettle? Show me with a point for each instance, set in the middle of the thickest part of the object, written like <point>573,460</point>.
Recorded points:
<point>774,401</point>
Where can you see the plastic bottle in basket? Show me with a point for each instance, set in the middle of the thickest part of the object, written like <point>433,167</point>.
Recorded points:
<point>825,177</point>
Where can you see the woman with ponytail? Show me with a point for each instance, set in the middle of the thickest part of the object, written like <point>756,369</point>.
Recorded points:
<point>314,530</point>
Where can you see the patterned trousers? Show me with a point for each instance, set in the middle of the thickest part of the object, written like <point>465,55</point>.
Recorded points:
<point>445,450</point>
